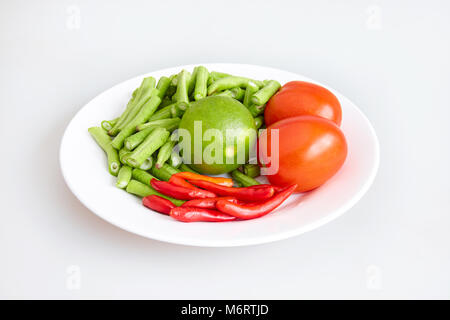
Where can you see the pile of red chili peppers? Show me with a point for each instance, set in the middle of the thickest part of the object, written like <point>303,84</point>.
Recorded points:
<point>214,199</point>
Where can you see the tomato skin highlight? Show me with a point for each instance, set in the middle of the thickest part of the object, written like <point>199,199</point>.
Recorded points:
<point>299,98</point>
<point>311,151</point>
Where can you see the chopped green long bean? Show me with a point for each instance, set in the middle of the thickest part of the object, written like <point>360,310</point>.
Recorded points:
<point>243,179</point>
<point>162,86</point>
<point>123,154</point>
<point>165,102</point>
<point>238,93</point>
<point>136,139</point>
<point>256,110</point>
<point>181,95</point>
<point>178,109</point>
<point>142,176</point>
<point>265,93</point>
<point>104,141</point>
<point>201,83</point>
<point>169,124</point>
<point>151,143</point>
<point>231,82</point>
<point>251,170</point>
<point>171,92</point>
<point>225,93</point>
<point>134,93</point>
<point>164,153</point>
<point>215,75</point>
<point>137,107</point>
<point>115,129</point>
<point>144,114</point>
<point>192,81</point>
<point>184,168</point>
<point>174,80</point>
<point>251,89</point>
<point>124,177</point>
<point>147,84</point>
<point>164,173</point>
<point>259,121</point>
<point>147,164</point>
<point>163,113</point>
<point>175,159</point>
<point>167,111</point>
<point>141,97</point>
<point>188,81</point>
<point>109,124</point>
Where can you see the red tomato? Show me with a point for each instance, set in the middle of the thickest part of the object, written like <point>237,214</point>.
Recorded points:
<point>310,151</point>
<point>299,98</point>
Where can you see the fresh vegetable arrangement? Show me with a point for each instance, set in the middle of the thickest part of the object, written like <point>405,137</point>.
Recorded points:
<point>150,149</point>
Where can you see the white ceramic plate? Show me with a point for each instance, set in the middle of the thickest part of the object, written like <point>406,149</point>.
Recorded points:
<point>84,168</point>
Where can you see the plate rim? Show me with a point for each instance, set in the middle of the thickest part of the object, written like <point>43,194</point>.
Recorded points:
<point>231,242</point>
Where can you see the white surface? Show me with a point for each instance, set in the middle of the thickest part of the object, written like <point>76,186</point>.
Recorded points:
<point>92,184</point>
<point>395,243</point>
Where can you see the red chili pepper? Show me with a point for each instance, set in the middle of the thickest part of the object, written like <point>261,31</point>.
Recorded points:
<point>189,214</point>
<point>208,203</point>
<point>195,176</point>
<point>178,181</point>
<point>252,211</point>
<point>158,203</point>
<point>178,192</point>
<point>276,188</point>
<point>244,194</point>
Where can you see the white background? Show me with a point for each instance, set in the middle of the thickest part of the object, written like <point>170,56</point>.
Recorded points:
<point>389,57</point>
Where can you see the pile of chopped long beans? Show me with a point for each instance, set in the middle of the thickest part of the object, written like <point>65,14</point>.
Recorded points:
<point>141,150</point>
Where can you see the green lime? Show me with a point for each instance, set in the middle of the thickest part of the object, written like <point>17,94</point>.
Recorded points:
<point>220,131</point>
